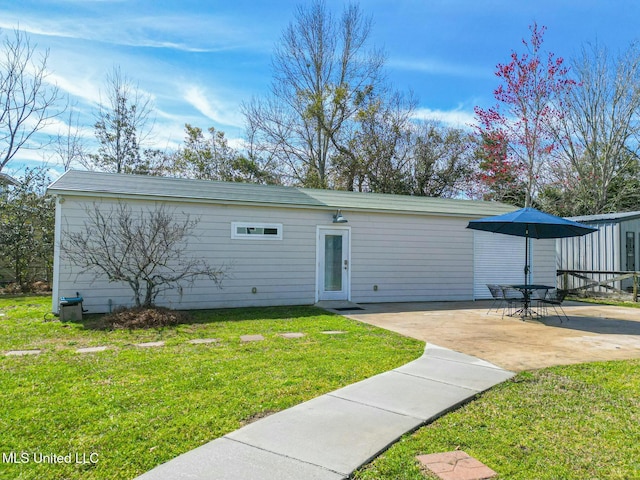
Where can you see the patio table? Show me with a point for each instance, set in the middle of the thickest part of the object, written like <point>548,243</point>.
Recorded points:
<point>527,290</point>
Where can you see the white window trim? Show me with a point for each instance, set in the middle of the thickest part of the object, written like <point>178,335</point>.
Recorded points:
<point>236,236</point>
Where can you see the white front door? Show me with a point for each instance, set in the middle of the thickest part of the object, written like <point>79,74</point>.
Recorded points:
<point>333,263</point>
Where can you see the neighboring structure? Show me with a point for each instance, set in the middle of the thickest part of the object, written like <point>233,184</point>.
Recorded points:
<point>613,248</point>
<point>5,181</point>
<point>287,245</point>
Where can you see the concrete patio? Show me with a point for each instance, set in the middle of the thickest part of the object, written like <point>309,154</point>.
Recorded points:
<point>328,437</point>
<point>592,333</point>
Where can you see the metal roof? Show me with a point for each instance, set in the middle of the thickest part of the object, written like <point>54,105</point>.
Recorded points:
<point>76,182</point>
<point>607,217</point>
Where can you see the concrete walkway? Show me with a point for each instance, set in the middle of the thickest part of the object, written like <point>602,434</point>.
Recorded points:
<point>327,438</point>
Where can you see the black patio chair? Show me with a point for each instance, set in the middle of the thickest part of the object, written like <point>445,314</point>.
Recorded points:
<point>513,298</point>
<point>537,298</point>
<point>554,298</point>
<point>497,295</point>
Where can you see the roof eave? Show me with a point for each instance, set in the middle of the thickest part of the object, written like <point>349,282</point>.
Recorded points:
<point>350,208</point>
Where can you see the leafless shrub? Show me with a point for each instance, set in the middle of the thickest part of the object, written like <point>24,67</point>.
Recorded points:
<point>147,250</point>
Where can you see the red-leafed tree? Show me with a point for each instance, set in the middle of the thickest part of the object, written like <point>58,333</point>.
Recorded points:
<point>529,105</point>
<point>501,178</point>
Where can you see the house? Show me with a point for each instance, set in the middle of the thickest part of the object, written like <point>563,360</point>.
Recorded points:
<point>288,246</point>
<point>6,181</point>
<point>613,248</point>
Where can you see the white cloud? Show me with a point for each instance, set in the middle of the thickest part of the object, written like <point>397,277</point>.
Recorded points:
<point>26,159</point>
<point>458,118</point>
<point>237,143</point>
<point>84,88</point>
<point>211,107</point>
<point>437,67</point>
<point>182,32</point>
<point>166,135</point>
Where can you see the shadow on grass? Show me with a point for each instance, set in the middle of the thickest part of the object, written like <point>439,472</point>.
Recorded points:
<point>195,317</point>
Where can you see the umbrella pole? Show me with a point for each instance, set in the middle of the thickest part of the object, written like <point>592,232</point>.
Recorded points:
<point>527,302</point>
<point>526,257</point>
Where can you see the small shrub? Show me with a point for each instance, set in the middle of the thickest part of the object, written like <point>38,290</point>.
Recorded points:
<point>40,287</point>
<point>142,317</point>
<point>12,289</point>
<point>16,288</point>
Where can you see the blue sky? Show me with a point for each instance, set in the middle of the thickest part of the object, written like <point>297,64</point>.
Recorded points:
<point>201,59</point>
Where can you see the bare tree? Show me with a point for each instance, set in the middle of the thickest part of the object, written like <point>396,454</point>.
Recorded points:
<point>322,75</point>
<point>148,250</point>
<point>123,122</point>
<point>601,130</point>
<point>68,146</point>
<point>27,102</point>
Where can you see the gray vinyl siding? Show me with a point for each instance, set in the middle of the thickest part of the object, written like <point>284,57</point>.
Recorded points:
<point>410,258</point>
<point>282,271</point>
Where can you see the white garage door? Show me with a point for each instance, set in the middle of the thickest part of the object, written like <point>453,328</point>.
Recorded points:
<point>496,259</point>
<point>500,259</point>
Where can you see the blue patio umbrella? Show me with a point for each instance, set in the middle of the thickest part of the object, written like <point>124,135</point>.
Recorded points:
<point>530,223</point>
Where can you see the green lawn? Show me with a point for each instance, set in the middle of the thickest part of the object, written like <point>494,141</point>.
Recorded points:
<point>136,408</point>
<point>607,301</point>
<point>575,422</point>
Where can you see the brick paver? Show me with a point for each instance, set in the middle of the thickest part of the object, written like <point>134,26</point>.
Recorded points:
<point>456,465</point>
